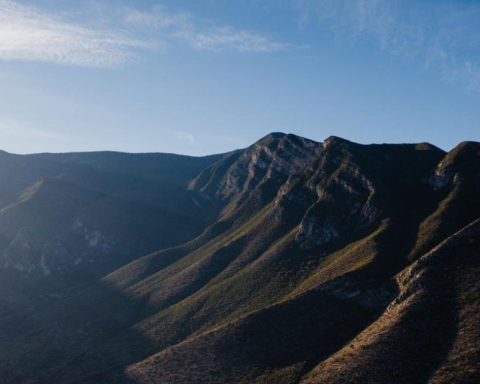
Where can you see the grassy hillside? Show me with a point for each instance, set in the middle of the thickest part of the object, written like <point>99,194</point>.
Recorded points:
<point>324,262</point>
<point>429,333</point>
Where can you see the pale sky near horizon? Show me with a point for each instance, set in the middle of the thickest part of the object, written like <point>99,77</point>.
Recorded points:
<point>202,77</point>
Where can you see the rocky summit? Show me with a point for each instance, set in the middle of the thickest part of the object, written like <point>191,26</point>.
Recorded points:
<point>290,261</point>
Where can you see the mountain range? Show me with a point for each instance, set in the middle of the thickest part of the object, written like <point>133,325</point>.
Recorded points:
<point>289,261</point>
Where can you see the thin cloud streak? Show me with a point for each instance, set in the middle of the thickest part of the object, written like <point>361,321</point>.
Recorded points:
<point>185,137</point>
<point>17,134</point>
<point>442,36</point>
<point>199,34</point>
<point>27,34</point>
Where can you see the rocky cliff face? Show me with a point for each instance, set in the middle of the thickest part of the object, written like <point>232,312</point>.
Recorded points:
<point>258,171</point>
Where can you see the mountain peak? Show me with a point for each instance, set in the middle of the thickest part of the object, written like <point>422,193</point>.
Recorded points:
<point>335,140</point>
<point>468,147</point>
<point>424,146</point>
<point>274,135</point>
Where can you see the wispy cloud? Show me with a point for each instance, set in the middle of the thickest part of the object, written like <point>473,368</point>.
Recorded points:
<point>185,137</point>
<point>13,131</point>
<point>200,34</point>
<point>441,35</point>
<point>27,34</point>
<point>30,34</point>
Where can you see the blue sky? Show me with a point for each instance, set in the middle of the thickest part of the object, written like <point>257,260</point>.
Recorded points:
<point>200,77</point>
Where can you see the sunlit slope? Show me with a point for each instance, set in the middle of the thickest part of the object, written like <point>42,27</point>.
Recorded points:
<point>429,332</point>
<point>334,234</point>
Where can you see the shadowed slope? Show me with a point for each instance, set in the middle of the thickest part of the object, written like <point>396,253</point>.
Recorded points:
<point>426,331</point>
<point>62,211</point>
